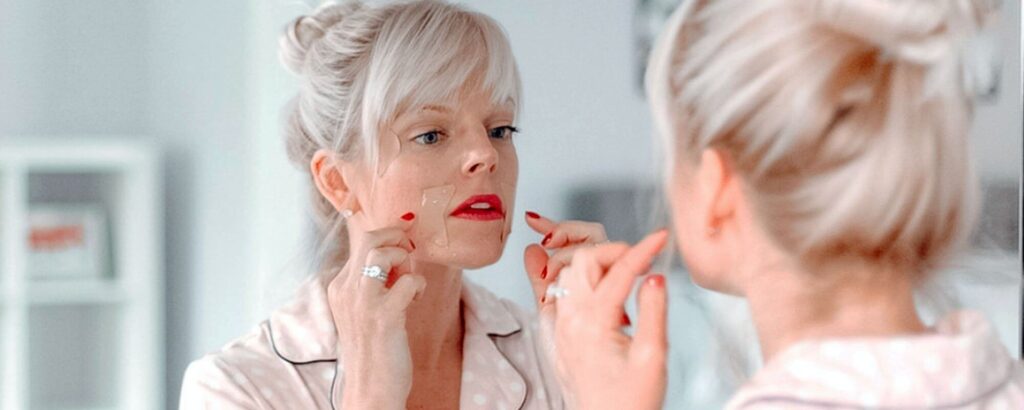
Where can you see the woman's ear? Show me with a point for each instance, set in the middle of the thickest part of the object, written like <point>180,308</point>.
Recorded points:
<point>719,190</point>
<point>330,181</point>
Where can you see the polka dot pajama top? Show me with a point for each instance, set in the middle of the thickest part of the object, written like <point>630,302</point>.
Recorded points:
<point>290,361</point>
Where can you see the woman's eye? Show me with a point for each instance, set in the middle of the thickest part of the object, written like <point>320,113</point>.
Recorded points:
<point>503,133</point>
<point>429,138</point>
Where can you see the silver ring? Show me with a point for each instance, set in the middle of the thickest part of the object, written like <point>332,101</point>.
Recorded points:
<point>556,291</point>
<point>375,272</point>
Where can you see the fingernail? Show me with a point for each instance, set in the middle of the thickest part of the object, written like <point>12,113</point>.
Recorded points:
<point>544,273</point>
<point>656,281</point>
<point>547,238</point>
<point>625,320</point>
<point>409,216</point>
<point>532,215</point>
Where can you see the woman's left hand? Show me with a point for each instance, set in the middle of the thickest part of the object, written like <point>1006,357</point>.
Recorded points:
<point>600,366</point>
<point>562,239</point>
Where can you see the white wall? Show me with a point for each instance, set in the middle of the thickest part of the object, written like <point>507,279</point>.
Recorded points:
<point>198,109</point>
<point>71,67</point>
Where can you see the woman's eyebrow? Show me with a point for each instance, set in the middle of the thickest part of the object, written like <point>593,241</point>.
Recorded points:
<point>504,108</point>
<point>434,107</point>
<point>500,112</point>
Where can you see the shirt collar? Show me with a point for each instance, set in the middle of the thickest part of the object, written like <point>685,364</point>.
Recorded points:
<point>485,313</point>
<point>490,379</point>
<point>303,330</point>
<point>961,360</point>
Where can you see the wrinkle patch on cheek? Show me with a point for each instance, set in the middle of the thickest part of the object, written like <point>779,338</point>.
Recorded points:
<point>433,220</point>
<point>388,150</point>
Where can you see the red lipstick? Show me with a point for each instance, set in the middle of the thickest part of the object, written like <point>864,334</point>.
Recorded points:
<point>480,208</point>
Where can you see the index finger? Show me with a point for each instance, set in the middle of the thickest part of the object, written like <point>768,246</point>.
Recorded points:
<point>604,255</point>
<point>540,224</point>
<point>619,281</point>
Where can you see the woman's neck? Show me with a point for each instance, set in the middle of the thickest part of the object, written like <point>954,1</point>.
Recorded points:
<point>434,320</point>
<point>792,306</point>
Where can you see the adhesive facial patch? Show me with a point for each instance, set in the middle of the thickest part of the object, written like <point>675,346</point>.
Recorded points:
<point>388,150</point>
<point>433,213</point>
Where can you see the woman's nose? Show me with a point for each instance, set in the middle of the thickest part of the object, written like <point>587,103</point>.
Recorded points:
<point>481,158</point>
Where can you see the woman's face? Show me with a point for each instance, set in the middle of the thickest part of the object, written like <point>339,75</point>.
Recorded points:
<point>455,168</point>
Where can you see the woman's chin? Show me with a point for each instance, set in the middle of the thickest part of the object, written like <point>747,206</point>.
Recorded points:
<point>464,256</point>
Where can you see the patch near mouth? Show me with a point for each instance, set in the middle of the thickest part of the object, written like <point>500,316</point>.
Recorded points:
<point>432,222</point>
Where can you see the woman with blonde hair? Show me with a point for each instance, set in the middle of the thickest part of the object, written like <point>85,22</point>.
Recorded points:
<point>819,168</point>
<point>404,122</point>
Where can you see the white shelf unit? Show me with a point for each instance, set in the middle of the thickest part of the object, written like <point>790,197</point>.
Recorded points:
<point>92,343</point>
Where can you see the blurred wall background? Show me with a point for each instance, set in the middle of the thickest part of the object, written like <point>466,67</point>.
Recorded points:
<point>201,80</point>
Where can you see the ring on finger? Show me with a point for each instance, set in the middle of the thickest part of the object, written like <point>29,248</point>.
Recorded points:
<point>375,272</point>
<point>556,291</point>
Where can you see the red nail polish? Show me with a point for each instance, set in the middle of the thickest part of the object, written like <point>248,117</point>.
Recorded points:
<point>532,215</point>
<point>625,320</point>
<point>409,216</point>
<point>544,273</point>
<point>547,238</point>
<point>656,280</point>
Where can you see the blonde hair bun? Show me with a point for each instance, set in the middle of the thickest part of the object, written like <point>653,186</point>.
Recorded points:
<point>920,31</point>
<point>302,32</point>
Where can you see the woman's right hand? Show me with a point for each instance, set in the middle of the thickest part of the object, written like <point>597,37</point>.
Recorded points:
<point>601,366</point>
<point>370,315</point>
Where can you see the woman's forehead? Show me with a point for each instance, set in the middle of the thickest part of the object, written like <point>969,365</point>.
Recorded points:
<point>476,102</point>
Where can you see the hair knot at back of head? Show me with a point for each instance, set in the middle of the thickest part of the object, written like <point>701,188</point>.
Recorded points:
<point>936,34</point>
<point>302,33</point>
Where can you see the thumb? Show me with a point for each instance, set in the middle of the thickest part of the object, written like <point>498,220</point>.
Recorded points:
<point>535,258</point>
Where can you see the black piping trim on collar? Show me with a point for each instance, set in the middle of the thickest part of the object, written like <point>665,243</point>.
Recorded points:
<point>334,381</point>
<point>330,396</point>
<point>273,345</point>
<point>505,334</point>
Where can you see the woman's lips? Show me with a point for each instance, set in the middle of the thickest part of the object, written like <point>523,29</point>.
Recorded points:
<point>480,208</point>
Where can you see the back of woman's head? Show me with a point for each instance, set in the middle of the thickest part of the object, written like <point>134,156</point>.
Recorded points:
<point>361,66</point>
<point>846,119</point>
